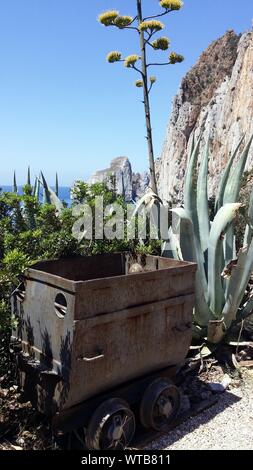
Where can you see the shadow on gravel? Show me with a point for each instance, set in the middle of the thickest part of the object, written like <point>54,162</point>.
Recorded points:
<point>192,422</point>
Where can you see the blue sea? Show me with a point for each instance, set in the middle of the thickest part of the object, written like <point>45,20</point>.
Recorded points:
<point>64,192</point>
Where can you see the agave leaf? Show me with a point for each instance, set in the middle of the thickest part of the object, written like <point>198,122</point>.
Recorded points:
<point>171,248</point>
<point>29,176</point>
<point>249,227</point>
<point>35,187</point>
<point>229,246</point>
<point>190,188</point>
<point>56,185</point>
<point>232,194</point>
<point>223,182</point>
<point>202,201</point>
<point>50,196</point>
<point>191,251</point>
<point>15,188</point>
<point>184,230</point>
<point>247,309</point>
<point>234,182</point>
<point>221,223</point>
<point>147,201</point>
<point>239,279</point>
<point>235,281</point>
<point>37,190</point>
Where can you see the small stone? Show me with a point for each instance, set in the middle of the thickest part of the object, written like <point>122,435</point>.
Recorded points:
<point>216,387</point>
<point>136,268</point>
<point>226,381</point>
<point>3,393</point>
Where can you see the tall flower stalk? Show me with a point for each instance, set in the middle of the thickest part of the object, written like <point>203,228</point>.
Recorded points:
<point>146,28</point>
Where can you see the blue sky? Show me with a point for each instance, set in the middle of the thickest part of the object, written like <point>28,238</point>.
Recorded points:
<point>63,107</point>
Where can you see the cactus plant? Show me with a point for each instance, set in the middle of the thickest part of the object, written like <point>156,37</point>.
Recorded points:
<point>221,280</point>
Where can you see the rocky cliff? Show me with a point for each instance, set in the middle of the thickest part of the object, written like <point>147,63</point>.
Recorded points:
<point>128,184</point>
<point>216,98</point>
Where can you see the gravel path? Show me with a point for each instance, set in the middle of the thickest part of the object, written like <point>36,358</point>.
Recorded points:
<point>227,425</point>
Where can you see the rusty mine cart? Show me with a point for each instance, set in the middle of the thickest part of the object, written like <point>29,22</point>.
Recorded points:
<point>99,340</point>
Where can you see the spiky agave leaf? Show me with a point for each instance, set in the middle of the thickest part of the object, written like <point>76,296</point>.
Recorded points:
<point>231,196</point>
<point>191,251</point>
<point>34,191</point>
<point>223,182</point>
<point>171,248</point>
<point>50,196</point>
<point>247,309</point>
<point>14,188</point>
<point>29,176</point>
<point>56,185</point>
<point>37,191</point>
<point>202,200</point>
<point>235,179</point>
<point>238,283</point>
<point>249,227</point>
<point>232,292</point>
<point>190,188</point>
<point>220,225</point>
<point>147,201</point>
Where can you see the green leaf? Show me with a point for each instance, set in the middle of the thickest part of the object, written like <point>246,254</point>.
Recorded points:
<point>191,251</point>
<point>233,294</point>
<point>220,225</point>
<point>202,201</point>
<point>50,196</point>
<point>235,179</point>
<point>223,182</point>
<point>190,188</point>
<point>29,176</point>
<point>171,248</point>
<point>56,185</point>
<point>15,188</point>
<point>249,227</point>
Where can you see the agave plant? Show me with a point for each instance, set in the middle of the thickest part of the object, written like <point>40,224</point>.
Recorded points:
<point>49,196</point>
<point>223,274</point>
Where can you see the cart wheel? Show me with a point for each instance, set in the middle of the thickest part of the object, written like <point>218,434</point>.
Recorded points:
<point>160,404</point>
<point>111,427</point>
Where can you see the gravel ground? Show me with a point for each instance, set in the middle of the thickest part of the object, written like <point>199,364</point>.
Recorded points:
<point>227,425</point>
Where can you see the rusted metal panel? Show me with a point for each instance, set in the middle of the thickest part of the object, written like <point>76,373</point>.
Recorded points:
<point>112,349</point>
<point>88,325</point>
<point>159,281</point>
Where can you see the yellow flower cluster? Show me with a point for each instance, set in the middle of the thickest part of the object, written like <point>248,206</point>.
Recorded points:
<point>113,56</point>
<point>175,58</point>
<point>171,4</point>
<point>123,21</point>
<point>152,25</point>
<point>161,43</point>
<point>152,79</point>
<point>139,83</point>
<point>108,17</point>
<point>131,60</point>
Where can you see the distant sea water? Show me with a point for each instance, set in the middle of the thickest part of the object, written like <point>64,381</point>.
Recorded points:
<point>64,192</point>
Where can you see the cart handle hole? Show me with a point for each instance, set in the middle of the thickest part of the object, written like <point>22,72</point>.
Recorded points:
<point>60,305</point>
<point>21,292</point>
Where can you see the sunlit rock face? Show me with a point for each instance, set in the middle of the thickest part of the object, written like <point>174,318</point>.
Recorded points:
<point>215,98</point>
<point>119,176</point>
